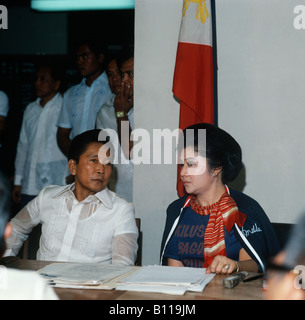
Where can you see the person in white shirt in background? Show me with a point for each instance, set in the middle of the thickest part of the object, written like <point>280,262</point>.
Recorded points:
<point>83,221</point>
<point>39,161</point>
<point>82,101</point>
<point>4,108</point>
<point>119,112</point>
<point>17,284</point>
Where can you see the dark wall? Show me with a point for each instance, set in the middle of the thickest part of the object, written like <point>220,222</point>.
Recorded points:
<point>17,70</point>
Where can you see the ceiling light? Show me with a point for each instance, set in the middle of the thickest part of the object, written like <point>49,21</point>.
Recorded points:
<point>73,5</point>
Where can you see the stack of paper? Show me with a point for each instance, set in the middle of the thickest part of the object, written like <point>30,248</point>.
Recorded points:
<point>169,280</point>
<point>83,275</point>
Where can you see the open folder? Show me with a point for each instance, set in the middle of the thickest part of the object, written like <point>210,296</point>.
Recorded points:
<point>84,275</point>
<point>162,279</point>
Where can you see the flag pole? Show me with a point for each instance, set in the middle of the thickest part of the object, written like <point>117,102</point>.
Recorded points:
<point>215,64</point>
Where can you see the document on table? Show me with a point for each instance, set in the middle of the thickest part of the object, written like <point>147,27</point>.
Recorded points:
<point>163,279</point>
<point>82,275</point>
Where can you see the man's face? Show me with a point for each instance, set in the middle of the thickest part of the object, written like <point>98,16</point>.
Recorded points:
<point>114,77</point>
<point>88,63</point>
<point>45,85</point>
<point>91,176</point>
<point>127,73</point>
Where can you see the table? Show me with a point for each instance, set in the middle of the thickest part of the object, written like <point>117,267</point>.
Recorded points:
<point>214,290</point>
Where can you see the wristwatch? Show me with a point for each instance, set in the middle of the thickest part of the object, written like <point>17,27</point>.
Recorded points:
<point>120,114</point>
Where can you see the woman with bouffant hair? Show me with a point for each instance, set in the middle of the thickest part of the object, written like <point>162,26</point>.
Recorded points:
<point>213,226</point>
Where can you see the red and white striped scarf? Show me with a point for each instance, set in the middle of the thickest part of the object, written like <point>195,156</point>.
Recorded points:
<point>223,213</point>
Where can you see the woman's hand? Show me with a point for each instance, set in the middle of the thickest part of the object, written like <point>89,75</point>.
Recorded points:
<point>222,265</point>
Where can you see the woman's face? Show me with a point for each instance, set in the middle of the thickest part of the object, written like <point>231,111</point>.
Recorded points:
<point>195,173</point>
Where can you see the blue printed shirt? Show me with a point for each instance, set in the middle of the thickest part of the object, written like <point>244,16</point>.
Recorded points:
<point>187,242</point>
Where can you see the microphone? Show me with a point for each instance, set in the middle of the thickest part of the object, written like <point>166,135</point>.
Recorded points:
<point>232,281</point>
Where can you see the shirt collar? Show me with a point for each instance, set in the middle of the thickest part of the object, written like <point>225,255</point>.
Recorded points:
<point>104,196</point>
<point>101,78</point>
<point>56,97</point>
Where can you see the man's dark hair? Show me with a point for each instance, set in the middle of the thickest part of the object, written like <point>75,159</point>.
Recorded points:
<point>81,142</point>
<point>56,67</point>
<point>96,44</point>
<point>124,55</point>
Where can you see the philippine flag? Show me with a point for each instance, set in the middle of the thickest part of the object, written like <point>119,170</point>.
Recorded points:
<point>193,82</point>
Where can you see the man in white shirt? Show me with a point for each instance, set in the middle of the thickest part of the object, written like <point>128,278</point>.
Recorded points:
<point>4,108</point>
<point>17,284</point>
<point>84,221</point>
<point>39,161</point>
<point>82,101</point>
<point>116,112</point>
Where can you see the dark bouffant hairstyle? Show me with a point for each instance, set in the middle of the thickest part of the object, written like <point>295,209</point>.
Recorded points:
<point>81,142</point>
<point>221,149</point>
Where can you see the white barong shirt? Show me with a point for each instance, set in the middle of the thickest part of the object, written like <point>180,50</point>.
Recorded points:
<point>82,103</point>
<point>39,161</point>
<point>100,228</point>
